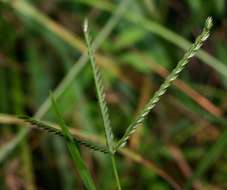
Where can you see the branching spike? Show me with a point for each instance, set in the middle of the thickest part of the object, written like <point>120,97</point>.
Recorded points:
<point>100,91</point>
<point>163,88</point>
<point>48,128</point>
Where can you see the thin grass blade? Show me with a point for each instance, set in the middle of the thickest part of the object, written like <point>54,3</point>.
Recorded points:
<point>75,154</point>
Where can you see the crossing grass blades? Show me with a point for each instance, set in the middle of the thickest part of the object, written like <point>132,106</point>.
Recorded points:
<point>112,145</point>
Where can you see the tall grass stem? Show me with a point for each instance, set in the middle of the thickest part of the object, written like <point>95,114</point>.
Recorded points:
<point>115,172</point>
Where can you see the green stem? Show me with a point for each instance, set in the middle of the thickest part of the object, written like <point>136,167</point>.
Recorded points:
<point>115,172</point>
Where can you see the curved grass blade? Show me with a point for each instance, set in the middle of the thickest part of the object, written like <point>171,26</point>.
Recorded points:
<point>100,92</point>
<point>163,88</point>
<point>75,154</point>
<point>50,129</point>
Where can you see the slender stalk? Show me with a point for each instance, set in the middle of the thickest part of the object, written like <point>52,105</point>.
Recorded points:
<point>115,172</point>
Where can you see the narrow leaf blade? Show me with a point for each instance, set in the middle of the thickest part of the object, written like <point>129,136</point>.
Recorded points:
<point>75,154</point>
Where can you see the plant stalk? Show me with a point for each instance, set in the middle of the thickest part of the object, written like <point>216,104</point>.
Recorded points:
<point>115,172</point>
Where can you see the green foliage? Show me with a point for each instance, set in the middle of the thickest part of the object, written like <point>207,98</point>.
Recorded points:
<point>136,43</point>
<point>75,154</point>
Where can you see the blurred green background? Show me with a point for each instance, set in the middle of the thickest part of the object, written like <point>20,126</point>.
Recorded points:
<point>138,43</point>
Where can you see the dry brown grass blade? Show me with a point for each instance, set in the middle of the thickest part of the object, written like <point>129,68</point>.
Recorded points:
<point>13,120</point>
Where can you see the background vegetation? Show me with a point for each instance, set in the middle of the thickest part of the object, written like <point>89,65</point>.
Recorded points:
<point>138,42</point>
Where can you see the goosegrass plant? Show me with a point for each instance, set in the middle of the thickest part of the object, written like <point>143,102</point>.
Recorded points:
<point>29,11</point>
<point>112,146</point>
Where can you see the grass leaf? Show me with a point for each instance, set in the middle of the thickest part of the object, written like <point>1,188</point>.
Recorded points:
<point>75,154</point>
